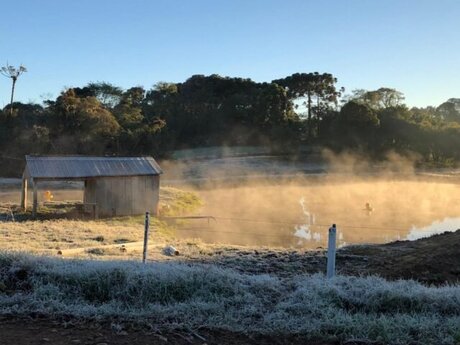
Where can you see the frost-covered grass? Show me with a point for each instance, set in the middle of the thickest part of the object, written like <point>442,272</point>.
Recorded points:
<point>172,295</point>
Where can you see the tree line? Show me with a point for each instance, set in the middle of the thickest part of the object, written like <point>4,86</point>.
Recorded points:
<point>304,109</point>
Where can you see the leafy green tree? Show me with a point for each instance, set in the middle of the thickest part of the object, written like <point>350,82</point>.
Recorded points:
<point>378,99</point>
<point>81,124</point>
<point>314,91</point>
<point>108,94</point>
<point>397,131</point>
<point>128,111</point>
<point>211,110</point>
<point>450,110</point>
<point>24,132</point>
<point>424,116</point>
<point>356,126</point>
<point>140,132</point>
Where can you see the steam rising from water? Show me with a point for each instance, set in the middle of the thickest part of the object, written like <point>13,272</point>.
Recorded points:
<point>298,212</point>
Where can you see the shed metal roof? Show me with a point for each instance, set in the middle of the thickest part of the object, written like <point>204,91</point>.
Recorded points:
<point>77,167</point>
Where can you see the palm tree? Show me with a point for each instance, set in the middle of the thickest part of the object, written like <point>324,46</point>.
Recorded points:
<point>13,73</point>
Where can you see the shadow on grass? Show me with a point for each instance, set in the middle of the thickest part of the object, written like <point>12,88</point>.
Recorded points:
<point>47,211</point>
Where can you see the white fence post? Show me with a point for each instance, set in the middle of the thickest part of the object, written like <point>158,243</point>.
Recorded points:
<point>146,237</point>
<point>331,251</point>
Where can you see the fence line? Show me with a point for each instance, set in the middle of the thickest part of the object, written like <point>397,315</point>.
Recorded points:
<point>238,233</point>
<point>245,233</point>
<point>396,229</point>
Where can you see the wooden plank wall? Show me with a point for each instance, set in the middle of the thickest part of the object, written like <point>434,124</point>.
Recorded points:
<point>120,196</point>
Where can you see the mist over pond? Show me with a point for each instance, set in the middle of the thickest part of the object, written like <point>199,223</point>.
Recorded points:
<point>297,213</point>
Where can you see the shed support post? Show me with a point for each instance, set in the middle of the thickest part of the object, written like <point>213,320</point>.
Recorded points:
<point>35,200</point>
<point>95,212</point>
<point>24,193</point>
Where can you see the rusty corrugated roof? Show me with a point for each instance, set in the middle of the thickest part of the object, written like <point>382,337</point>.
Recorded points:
<point>61,167</point>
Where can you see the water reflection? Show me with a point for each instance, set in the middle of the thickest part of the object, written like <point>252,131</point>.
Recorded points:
<point>437,227</point>
<point>304,232</point>
<point>307,236</point>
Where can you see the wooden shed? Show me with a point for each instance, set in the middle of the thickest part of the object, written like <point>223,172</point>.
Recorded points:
<point>113,186</point>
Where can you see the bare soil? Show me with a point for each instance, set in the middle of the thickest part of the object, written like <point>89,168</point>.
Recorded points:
<point>432,260</point>
<point>41,332</point>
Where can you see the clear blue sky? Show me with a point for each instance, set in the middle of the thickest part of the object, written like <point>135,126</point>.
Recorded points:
<point>410,45</point>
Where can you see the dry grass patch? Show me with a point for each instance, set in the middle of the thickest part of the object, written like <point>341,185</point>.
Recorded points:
<point>53,235</point>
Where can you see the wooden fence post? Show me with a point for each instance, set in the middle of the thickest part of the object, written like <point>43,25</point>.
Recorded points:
<point>146,237</point>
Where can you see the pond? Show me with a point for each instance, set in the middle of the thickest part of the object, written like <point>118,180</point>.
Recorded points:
<point>298,213</point>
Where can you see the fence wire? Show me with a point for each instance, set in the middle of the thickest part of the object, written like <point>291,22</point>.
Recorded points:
<point>340,226</point>
<point>326,226</point>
